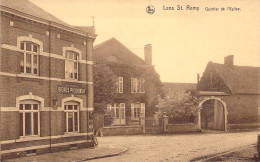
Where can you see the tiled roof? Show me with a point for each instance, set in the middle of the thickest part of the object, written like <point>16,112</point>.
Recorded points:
<point>240,79</point>
<point>115,48</point>
<point>29,9</point>
<point>177,88</point>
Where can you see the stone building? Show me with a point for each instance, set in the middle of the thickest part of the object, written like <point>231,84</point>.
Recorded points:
<point>230,96</point>
<point>46,87</point>
<point>138,83</point>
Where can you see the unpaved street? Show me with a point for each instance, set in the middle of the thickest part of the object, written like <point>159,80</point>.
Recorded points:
<point>177,147</point>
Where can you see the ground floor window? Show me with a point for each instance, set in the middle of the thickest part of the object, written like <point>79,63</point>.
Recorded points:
<point>29,118</point>
<point>136,110</point>
<point>71,112</point>
<point>117,111</point>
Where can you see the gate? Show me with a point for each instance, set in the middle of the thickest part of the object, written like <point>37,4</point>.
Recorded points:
<point>153,125</point>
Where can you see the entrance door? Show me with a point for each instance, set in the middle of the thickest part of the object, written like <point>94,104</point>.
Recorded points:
<point>119,109</point>
<point>219,117</point>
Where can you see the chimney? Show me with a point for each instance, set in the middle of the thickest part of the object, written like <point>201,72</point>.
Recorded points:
<point>229,60</point>
<point>148,54</point>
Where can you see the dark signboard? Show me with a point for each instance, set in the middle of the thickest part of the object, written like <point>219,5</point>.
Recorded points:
<point>71,90</point>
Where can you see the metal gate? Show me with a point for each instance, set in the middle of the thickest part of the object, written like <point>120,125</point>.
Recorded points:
<point>153,125</point>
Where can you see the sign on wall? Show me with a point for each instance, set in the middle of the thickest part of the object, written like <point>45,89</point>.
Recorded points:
<point>71,90</point>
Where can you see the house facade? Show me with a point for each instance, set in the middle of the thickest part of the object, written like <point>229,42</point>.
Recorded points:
<point>233,93</point>
<point>46,86</point>
<point>137,82</point>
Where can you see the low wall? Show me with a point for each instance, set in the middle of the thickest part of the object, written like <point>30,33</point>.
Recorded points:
<point>181,128</point>
<point>243,126</point>
<point>122,130</point>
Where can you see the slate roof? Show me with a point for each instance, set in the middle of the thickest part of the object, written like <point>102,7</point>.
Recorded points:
<point>30,10</point>
<point>240,79</point>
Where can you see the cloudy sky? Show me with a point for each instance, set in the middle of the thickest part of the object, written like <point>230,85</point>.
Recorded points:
<point>183,41</point>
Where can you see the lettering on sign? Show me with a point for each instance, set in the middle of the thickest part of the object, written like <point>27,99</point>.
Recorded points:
<point>72,90</point>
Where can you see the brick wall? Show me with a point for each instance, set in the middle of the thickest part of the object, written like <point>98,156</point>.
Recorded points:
<point>51,123</point>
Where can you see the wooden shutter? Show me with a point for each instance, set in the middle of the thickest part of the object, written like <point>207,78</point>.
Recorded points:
<point>132,110</point>
<point>143,108</point>
<point>142,85</point>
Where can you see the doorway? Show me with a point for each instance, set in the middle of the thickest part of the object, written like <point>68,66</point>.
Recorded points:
<point>213,115</point>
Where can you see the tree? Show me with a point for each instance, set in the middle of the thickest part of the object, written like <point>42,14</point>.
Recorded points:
<point>179,105</point>
<point>105,85</point>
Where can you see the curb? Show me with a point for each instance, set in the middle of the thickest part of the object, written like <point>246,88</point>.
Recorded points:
<point>104,156</point>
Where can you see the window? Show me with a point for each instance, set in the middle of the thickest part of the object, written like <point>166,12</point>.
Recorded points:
<point>120,85</point>
<point>30,63</point>
<point>71,112</point>
<point>29,118</point>
<point>136,110</point>
<point>118,111</point>
<point>137,85</point>
<point>71,65</point>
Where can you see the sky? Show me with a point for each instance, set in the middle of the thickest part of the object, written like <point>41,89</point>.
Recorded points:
<point>183,41</point>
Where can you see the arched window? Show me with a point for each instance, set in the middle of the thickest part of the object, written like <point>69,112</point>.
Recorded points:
<point>29,117</point>
<point>71,64</point>
<point>71,113</point>
<point>30,62</point>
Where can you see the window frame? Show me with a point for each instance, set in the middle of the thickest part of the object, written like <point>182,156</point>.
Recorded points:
<point>120,107</point>
<point>137,85</point>
<point>71,62</point>
<point>67,111</point>
<point>120,85</point>
<point>32,111</point>
<point>32,53</point>
<point>134,111</point>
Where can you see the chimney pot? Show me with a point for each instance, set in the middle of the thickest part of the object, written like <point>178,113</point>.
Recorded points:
<point>148,54</point>
<point>229,60</point>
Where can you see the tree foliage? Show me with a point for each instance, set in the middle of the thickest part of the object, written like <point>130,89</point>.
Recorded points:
<point>179,105</point>
<point>105,85</point>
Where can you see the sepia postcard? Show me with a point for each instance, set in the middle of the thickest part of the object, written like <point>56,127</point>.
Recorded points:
<point>129,80</point>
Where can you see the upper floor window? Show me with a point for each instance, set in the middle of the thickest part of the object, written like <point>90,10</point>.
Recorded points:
<point>137,85</point>
<point>71,65</point>
<point>120,85</point>
<point>30,63</point>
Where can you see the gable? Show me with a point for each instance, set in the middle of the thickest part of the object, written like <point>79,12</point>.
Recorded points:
<point>211,80</point>
<point>114,51</point>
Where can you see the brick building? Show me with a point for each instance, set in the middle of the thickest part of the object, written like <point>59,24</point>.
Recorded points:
<point>46,86</point>
<point>233,93</point>
<point>138,83</point>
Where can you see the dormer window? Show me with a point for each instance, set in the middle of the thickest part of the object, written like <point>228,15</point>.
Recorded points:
<point>30,63</point>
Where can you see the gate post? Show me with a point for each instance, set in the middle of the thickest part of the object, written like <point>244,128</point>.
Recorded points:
<point>142,121</point>
<point>165,122</point>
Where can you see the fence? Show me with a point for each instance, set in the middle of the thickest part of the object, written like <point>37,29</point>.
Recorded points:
<point>151,125</point>
<point>181,120</point>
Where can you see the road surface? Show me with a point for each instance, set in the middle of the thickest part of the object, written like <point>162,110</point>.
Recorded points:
<point>172,147</point>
